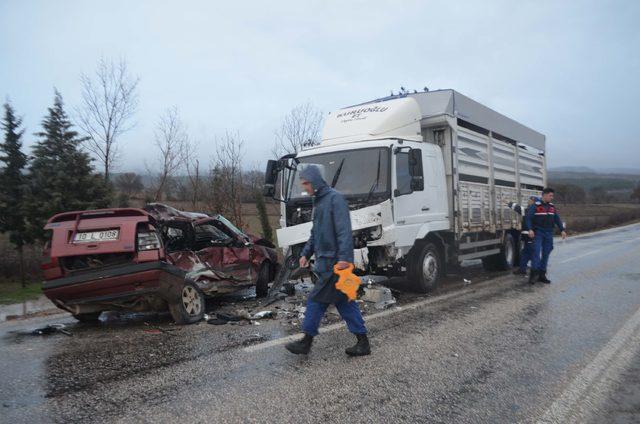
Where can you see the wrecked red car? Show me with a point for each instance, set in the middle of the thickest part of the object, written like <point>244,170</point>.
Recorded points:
<point>150,259</point>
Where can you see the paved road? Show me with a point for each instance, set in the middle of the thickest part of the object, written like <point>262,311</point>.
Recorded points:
<point>496,350</point>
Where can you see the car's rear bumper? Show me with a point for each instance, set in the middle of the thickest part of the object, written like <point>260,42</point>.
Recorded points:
<point>115,286</point>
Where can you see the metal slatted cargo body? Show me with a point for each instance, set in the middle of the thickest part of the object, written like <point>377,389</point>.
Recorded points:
<point>428,178</point>
<point>494,160</point>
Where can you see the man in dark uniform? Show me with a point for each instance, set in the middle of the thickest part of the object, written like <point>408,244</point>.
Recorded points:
<point>527,248</point>
<point>540,219</point>
<point>331,242</point>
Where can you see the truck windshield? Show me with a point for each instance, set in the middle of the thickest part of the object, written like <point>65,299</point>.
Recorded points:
<point>362,172</point>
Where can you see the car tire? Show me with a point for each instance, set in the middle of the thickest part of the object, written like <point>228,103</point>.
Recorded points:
<point>262,283</point>
<point>91,317</point>
<point>506,259</point>
<point>189,307</point>
<point>425,267</point>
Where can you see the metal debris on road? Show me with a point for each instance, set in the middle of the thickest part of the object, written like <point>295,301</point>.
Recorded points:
<point>51,329</point>
<point>263,314</point>
<point>380,296</point>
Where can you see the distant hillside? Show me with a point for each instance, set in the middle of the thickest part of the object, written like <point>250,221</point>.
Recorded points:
<point>615,186</point>
<point>583,169</point>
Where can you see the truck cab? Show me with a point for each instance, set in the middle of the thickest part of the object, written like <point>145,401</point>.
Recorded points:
<point>398,161</point>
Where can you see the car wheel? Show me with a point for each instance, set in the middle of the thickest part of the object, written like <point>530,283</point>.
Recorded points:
<point>91,317</point>
<point>262,283</point>
<point>189,307</point>
<point>424,267</point>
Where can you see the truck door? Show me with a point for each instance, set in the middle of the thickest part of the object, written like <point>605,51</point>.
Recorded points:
<point>419,195</point>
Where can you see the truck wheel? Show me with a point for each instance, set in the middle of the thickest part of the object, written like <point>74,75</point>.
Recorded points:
<point>504,260</point>
<point>262,283</point>
<point>424,267</point>
<point>189,307</point>
<point>91,317</point>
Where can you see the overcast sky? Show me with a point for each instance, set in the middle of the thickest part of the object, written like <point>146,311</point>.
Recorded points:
<point>567,69</point>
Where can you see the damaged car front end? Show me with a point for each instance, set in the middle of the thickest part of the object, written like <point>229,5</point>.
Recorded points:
<point>150,259</point>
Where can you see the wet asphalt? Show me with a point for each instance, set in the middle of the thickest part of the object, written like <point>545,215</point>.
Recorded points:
<point>495,350</point>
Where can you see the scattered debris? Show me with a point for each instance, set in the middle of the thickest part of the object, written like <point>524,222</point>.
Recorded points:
<point>254,338</point>
<point>289,289</point>
<point>300,310</point>
<point>263,314</point>
<point>275,298</point>
<point>380,296</point>
<point>216,321</point>
<point>51,329</point>
<point>332,310</point>
<point>227,317</point>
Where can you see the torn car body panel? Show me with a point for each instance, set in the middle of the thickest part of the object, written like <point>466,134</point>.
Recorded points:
<point>139,259</point>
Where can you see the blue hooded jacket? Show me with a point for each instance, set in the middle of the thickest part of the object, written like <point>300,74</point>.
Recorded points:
<point>331,240</point>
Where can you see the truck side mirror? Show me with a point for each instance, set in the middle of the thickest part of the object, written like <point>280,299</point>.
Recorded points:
<point>270,178</point>
<point>415,170</point>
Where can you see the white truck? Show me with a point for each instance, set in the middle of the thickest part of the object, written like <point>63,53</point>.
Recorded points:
<point>427,176</point>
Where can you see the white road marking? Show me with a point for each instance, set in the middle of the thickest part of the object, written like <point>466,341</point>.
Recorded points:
<point>591,387</point>
<point>386,313</point>
<point>598,250</point>
<point>580,256</point>
<point>608,230</point>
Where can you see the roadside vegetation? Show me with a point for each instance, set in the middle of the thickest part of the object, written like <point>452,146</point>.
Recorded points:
<point>73,158</point>
<point>16,292</point>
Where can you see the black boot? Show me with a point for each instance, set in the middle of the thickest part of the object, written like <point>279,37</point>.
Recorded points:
<point>533,277</point>
<point>543,278</point>
<point>301,347</point>
<point>361,348</point>
<point>520,272</point>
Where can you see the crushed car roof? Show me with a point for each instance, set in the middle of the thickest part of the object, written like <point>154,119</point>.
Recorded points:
<point>162,212</point>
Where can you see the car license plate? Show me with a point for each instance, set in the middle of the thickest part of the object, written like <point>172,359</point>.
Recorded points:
<point>94,236</point>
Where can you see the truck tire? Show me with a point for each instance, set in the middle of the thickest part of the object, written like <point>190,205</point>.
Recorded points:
<point>90,318</point>
<point>504,260</point>
<point>189,306</point>
<point>262,283</point>
<point>424,267</point>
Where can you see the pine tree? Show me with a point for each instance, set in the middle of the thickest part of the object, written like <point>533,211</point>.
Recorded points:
<point>12,183</point>
<point>267,232</point>
<point>61,174</point>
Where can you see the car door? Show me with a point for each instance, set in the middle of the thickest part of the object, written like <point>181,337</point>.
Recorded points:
<point>221,250</point>
<point>237,257</point>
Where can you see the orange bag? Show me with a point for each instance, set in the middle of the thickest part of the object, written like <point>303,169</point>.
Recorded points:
<point>348,282</point>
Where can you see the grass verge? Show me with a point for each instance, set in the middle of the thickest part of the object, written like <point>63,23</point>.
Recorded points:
<point>13,292</point>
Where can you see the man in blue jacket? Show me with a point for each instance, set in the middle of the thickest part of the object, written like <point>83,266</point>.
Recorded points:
<point>331,242</point>
<point>540,219</point>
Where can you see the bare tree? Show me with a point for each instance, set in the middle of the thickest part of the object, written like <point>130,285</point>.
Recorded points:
<point>170,139</point>
<point>227,175</point>
<point>212,191</point>
<point>253,181</point>
<point>194,173</point>
<point>109,101</point>
<point>300,128</point>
